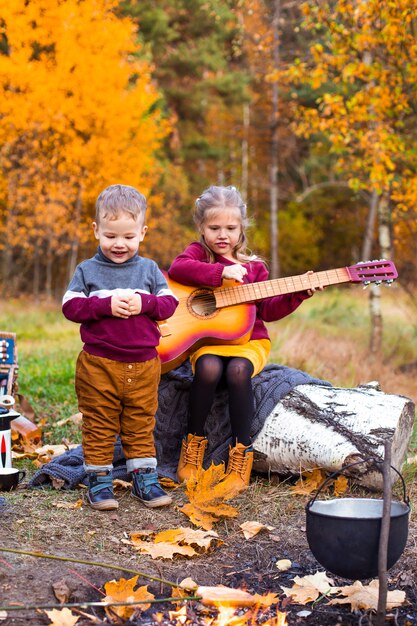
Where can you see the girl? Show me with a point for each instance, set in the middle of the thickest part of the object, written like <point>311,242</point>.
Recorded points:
<point>221,219</point>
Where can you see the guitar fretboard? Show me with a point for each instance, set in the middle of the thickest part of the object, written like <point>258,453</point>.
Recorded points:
<point>280,286</point>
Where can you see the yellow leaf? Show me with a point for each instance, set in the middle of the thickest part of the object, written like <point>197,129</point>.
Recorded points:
<point>121,484</point>
<point>163,550</point>
<point>167,543</point>
<point>189,536</point>
<point>309,588</point>
<point>340,485</point>
<point>308,482</point>
<point>250,529</point>
<point>168,483</point>
<point>207,492</point>
<point>122,590</point>
<point>60,504</point>
<point>62,617</point>
<point>283,565</point>
<point>366,597</point>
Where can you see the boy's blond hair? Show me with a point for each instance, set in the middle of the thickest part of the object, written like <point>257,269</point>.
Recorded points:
<point>120,198</point>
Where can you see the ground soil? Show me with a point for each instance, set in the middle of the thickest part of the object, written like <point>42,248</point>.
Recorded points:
<point>31,521</point>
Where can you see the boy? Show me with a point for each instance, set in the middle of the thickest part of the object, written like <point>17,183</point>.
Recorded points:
<point>117,297</point>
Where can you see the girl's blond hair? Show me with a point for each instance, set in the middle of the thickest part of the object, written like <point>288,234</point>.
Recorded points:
<point>217,198</point>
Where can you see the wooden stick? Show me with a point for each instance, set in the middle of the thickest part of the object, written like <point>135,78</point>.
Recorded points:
<point>384,537</point>
<point>42,555</point>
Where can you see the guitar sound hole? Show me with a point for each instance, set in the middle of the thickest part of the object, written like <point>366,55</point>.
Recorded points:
<point>203,303</point>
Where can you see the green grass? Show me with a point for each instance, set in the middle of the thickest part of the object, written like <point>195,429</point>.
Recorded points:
<point>47,347</point>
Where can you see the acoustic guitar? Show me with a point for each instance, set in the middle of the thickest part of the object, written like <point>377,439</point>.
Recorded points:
<point>206,316</point>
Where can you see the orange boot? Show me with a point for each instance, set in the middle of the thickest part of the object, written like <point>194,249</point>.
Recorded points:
<point>239,466</point>
<point>191,457</point>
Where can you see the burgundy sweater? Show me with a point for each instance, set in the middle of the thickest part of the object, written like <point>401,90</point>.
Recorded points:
<point>192,268</point>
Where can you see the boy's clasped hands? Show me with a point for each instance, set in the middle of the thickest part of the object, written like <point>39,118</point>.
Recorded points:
<point>125,306</point>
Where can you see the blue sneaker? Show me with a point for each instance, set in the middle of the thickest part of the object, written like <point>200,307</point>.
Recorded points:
<point>146,487</point>
<point>100,492</point>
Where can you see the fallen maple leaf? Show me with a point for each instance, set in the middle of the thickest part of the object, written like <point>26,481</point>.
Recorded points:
<point>340,486</point>
<point>309,588</point>
<point>201,538</point>
<point>77,418</point>
<point>61,591</point>
<point>168,543</point>
<point>60,504</point>
<point>250,529</point>
<point>122,590</point>
<point>62,617</point>
<point>207,494</point>
<point>308,482</point>
<point>366,597</point>
<point>163,550</point>
<point>118,483</point>
<point>164,481</point>
<point>42,454</point>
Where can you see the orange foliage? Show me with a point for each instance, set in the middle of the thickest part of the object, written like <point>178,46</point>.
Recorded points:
<point>77,112</point>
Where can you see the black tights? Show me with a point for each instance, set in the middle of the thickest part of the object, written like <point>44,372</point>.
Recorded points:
<point>235,373</point>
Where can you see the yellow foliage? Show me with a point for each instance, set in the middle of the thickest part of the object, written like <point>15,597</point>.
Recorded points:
<point>363,68</point>
<point>122,590</point>
<point>365,597</point>
<point>178,541</point>
<point>207,495</point>
<point>77,112</point>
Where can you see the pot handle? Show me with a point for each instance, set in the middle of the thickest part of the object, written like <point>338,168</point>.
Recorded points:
<point>376,461</point>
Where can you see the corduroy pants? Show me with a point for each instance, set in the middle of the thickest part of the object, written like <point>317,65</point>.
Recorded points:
<point>117,398</point>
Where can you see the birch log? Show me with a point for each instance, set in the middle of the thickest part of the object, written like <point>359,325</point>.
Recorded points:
<point>330,427</point>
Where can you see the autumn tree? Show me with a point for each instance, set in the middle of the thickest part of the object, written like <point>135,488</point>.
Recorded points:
<point>78,111</point>
<point>360,69</point>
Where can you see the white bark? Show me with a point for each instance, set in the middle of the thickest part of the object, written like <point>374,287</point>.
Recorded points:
<point>330,427</point>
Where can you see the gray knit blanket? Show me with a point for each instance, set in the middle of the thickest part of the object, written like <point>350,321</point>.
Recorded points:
<point>270,386</point>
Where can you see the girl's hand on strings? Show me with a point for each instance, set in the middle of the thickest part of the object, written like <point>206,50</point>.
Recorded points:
<point>235,272</point>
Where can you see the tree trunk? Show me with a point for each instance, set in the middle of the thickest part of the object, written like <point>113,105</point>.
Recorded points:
<point>73,255</point>
<point>274,193</point>
<point>370,226</point>
<point>245,152</point>
<point>330,427</point>
<point>384,237</point>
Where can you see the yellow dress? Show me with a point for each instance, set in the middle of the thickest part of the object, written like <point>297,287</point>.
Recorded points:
<point>256,351</point>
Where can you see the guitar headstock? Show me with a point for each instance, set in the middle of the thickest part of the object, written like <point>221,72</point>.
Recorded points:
<point>378,272</point>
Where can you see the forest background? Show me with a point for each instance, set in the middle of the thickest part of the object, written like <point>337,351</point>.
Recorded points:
<point>309,108</point>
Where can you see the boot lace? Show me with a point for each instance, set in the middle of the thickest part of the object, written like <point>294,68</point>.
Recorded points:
<point>194,452</point>
<point>238,462</point>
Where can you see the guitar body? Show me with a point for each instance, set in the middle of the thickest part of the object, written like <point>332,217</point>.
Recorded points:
<point>198,322</point>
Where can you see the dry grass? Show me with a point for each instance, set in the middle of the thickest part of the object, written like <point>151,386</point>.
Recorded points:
<point>328,336</point>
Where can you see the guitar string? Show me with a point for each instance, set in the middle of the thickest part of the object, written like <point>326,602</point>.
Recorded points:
<point>229,295</point>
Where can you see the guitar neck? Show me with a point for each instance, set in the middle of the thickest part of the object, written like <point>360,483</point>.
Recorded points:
<point>230,296</point>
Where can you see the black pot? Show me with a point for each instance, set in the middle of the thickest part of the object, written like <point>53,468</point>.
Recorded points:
<point>343,534</point>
